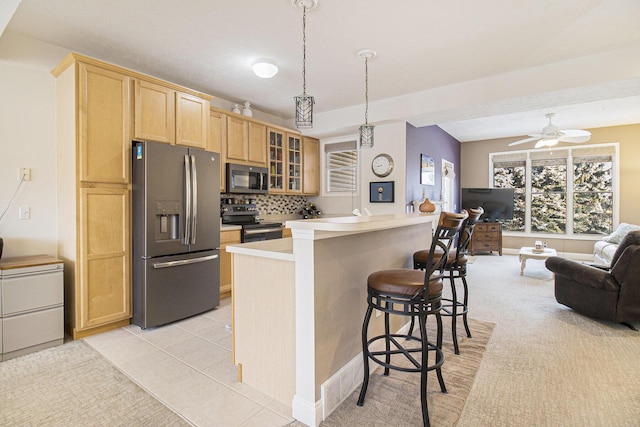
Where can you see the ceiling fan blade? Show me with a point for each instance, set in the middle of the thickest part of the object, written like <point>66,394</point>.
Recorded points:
<point>574,133</point>
<point>522,141</point>
<point>575,139</point>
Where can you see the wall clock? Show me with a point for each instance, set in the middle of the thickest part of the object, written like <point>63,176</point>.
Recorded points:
<point>382,165</point>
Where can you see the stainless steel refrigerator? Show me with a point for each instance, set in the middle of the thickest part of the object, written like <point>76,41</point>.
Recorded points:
<point>176,232</point>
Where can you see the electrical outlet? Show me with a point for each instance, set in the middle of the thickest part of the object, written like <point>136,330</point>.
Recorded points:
<point>24,173</point>
<point>25,212</point>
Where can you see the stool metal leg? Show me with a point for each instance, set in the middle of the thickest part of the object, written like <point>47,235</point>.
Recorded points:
<point>454,313</point>
<point>466,305</point>
<point>422,321</point>
<point>439,353</point>
<point>365,355</point>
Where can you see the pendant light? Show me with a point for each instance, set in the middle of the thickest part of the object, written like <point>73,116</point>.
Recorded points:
<point>304,102</point>
<point>366,130</point>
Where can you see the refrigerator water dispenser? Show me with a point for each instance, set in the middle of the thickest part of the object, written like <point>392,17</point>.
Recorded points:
<point>167,224</point>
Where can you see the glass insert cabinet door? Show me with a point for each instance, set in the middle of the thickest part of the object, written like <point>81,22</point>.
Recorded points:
<point>276,161</point>
<point>294,164</point>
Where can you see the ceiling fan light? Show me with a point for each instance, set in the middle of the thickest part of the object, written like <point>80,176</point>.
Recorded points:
<point>546,142</point>
<point>265,68</point>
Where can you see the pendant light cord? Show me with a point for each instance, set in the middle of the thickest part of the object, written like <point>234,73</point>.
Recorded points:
<point>366,91</point>
<point>304,51</point>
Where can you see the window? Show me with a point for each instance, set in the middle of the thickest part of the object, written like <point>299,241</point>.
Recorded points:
<point>341,167</point>
<point>567,191</point>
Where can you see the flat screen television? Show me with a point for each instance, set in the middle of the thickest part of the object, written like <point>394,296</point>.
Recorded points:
<point>496,202</point>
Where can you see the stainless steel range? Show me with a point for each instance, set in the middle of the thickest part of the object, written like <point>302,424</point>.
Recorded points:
<point>253,229</point>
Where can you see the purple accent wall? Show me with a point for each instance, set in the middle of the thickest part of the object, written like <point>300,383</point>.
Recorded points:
<point>436,143</point>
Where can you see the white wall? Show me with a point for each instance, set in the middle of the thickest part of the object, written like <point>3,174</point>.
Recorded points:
<point>27,139</point>
<point>390,139</point>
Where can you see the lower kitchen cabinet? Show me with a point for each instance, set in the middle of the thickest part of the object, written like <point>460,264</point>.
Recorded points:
<point>229,237</point>
<point>31,305</point>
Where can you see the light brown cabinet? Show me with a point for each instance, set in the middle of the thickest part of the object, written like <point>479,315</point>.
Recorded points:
<point>192,120</point>
<point>229,237</point>
<point>276,142</point>
<point>487,237</point>
<point>166,115</point>
<point>311,166</point>
<point>246,141</point>
<point>93,109</point>
<point>154,112</point>
<point>294,164</point>
<point>218,142</point>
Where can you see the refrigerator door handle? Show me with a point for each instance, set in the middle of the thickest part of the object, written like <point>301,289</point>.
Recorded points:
<point>184,262</point>
<point>187,201</point>
<point>194,197</point>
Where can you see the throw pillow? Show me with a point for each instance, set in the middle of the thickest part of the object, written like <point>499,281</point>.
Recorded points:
<point>617,236</point>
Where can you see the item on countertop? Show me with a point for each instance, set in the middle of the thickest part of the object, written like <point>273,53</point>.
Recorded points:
<point>310,211</point>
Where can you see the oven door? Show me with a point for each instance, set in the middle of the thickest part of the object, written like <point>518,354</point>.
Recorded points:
<point>257,234</point>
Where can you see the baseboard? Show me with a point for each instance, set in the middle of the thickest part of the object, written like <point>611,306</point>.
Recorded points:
<point>341,384</point>
<point>307,412</point>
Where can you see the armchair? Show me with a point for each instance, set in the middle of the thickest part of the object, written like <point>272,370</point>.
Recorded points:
<point>611,294</point>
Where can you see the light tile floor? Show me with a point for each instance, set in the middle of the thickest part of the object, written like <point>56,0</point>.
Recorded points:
<point>187,366</point>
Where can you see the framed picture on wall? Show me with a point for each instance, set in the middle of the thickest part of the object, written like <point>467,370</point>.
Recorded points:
<point>427,170</point>
<point>381,192</point>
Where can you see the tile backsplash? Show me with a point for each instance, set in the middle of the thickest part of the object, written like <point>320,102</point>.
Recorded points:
<point>273,204</point>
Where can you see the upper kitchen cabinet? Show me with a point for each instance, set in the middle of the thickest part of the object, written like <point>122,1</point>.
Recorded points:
<point>103,122</point>
<point>165,114</point>
<point>294,164</point>
<point>155,114</point>
<point>192,120</point>
<point>246,141</point>
<point>276,140</point>
<point>311,163</point>
<point>218,141</point>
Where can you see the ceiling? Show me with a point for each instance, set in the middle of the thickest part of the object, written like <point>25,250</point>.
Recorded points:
<point>479,70</point>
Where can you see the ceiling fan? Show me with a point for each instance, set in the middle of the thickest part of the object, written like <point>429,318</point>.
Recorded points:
<point>552,134</point>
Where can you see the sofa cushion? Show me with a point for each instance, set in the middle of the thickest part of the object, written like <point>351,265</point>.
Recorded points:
<point>603,251</point>
<point>617,236</point>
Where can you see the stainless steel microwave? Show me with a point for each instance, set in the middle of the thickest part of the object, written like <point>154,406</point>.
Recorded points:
<point>247,179</point>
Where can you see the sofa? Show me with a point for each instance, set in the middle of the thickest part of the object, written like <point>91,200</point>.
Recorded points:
<point>603,250</point>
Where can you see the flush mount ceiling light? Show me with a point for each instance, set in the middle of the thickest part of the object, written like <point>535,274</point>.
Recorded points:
<point>366,130</point>
<point>304,102</point>
<point>265,68</point>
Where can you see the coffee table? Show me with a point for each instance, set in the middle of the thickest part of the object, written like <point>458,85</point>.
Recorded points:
<point>527,252</point>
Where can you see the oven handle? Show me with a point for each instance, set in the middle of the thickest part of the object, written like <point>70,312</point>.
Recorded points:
<point>262,230</point>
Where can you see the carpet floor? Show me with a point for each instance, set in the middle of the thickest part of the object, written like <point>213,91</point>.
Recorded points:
<point>73,385</point>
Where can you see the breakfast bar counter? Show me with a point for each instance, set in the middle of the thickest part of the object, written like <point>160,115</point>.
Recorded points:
<point>298,305</point>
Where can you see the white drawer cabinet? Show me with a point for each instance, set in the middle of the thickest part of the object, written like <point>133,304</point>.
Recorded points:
<point>31,304</point>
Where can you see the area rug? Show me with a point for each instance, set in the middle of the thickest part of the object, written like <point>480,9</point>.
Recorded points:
<point>394,401</point>
<point>73,385</point>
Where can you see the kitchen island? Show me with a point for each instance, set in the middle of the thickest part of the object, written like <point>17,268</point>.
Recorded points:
<point>299,304</point>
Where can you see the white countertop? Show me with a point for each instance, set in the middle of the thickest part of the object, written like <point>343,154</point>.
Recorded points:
<point>275,249</point>
<point>228,227</point>
<point>361,223</point>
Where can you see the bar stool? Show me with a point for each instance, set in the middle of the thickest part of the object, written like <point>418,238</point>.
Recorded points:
<point>456,267</point>
<point>408,292</point>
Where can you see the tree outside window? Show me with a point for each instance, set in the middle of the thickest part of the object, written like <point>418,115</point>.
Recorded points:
<point>570,190</point>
